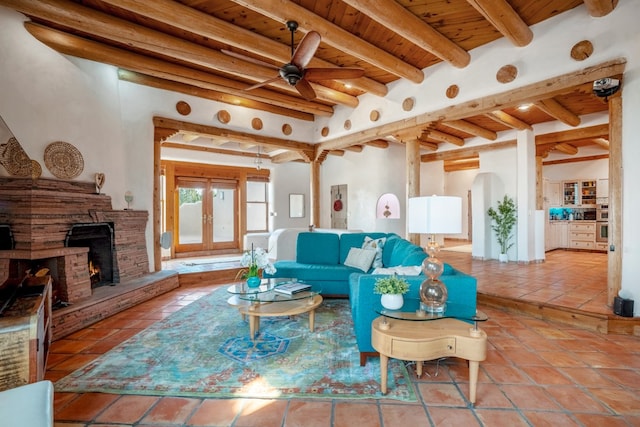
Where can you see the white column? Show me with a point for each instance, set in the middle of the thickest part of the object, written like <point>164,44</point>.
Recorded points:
<point>526,195</point>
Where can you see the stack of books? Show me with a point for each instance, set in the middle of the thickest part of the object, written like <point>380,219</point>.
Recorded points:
<point>292,288</point>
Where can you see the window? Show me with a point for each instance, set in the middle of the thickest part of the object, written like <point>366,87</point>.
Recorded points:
<point>257,206</point>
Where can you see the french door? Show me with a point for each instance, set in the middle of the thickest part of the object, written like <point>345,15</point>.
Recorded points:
<point>206,214</point>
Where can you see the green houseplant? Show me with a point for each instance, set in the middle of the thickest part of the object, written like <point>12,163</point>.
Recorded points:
<point>391,289</point>
<point>504,220</point>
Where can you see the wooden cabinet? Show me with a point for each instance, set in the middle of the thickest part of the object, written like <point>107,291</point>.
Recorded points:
<point>557,238</point>
<point>570,193</point>
<point>25,334</point>
<point>552,193</point>
<point>582,235</point>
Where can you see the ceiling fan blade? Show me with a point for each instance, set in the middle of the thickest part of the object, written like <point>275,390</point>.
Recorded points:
<point>306,49</point>
<point>332,73</point>
<point>248,59</point>
<point>264,83</point>
<point>305,89</point>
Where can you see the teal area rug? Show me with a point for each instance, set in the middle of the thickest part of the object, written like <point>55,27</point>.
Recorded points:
<point>204,350</point>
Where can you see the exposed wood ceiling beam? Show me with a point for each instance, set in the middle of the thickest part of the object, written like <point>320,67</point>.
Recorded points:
<point>467,152</point>
<point>339,153</point>
<point>442,136</point>
<point>508,120</point>
<point>209,26</point>
<point>427,145</point>
<point>554,109</point>
<point>217,88</point>
<point>575,159</point>
<point>539,90</point>
<point>401,21</point>
<point>212,150</point>
<point>287,156</point>
<point>378,143</point>
<point>355,148</point>
<point>604,143</point>
<point>461,164</point>
<point>599,8</point>
<point>87,20</point>
<point>470,128</point>
<point>566,148</point>
<point>502,16</point>
<point>335,36</point>
<point>231,135</point>
<point>598,131</point>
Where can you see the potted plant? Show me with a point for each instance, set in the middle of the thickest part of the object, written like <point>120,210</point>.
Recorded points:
<point>256,260</point>
<point>504,220</point>
<point>392,289</point>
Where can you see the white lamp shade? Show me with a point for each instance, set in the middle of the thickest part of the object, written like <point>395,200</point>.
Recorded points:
<point>435,215</point>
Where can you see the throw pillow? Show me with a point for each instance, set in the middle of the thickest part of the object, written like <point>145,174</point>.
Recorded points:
<point>360,258</point>
<point>377,245</point>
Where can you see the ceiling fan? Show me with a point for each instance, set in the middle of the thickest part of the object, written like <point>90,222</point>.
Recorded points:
<point>295,73</point>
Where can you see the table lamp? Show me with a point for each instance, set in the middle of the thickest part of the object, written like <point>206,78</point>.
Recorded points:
<point>434,215</point>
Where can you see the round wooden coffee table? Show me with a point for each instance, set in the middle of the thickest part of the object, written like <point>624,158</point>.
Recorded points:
<point>265,301</point>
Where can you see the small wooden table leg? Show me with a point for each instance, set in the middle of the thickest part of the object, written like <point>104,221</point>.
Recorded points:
<point>254,326</point>
<point>384,361</point>
<point>312,320</point>
<point>473,380</point>
<point>419,368</point>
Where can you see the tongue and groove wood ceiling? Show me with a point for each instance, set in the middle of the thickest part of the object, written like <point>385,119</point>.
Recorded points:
<point>216,49</point>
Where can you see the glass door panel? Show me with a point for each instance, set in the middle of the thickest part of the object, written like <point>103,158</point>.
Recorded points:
<point>224,217</point>
<point>191,214</point>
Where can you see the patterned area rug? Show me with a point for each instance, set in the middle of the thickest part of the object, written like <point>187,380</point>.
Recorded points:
<point>204,350</point>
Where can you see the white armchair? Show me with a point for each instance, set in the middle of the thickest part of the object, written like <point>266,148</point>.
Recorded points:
<point>28,405</point>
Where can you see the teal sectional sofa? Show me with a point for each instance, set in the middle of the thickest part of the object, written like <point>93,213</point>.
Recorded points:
<point>461,289</point>
<point>320,259</point>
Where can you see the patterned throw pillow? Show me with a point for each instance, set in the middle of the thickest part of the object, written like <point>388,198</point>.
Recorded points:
<point>377,245</point>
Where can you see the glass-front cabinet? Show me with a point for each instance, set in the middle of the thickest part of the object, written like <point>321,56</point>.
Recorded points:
<point>588,192</point>
<point>579,192</point>
<point>570,193</point>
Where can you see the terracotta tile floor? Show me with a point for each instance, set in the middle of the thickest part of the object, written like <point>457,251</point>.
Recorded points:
<point>536,374</point>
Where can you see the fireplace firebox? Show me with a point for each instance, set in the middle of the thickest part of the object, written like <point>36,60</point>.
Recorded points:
<point>102,262</point>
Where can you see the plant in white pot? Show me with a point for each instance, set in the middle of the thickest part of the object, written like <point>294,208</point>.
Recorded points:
<point>504,220</point>
<point>392,289</point>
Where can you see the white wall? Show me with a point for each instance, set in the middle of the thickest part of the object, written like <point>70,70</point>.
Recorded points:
<point>48,97</point>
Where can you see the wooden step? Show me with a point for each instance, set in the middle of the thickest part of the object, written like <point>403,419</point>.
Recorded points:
<point>598,322</point>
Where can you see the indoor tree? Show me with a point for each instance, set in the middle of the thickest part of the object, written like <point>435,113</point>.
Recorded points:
<point>504,219</point>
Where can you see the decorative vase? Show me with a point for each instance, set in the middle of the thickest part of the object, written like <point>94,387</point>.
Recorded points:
<point>253,281</point>
<point>392,301</point>
<point>503,258</point>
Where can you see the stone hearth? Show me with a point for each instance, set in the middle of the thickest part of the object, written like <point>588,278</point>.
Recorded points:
<point>40,213</point>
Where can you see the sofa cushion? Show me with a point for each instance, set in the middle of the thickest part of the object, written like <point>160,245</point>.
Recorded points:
<point>376,245</point>
<point>401,249</point>
<point>315,272</point>
<point>318,248</point>
<point>360,258</point>
<point>354,240</point>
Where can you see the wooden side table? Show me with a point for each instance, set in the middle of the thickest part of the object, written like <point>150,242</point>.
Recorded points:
<point>420,341</point>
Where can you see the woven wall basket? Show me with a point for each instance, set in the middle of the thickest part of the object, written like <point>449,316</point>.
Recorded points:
<point>63,160</point>
<point>15,159</point>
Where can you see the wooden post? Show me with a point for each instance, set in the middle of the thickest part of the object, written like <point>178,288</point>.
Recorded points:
<point>413,179</point>
<point>539,184</point>
<point>314,170</point>
<point>614,278</point>
<point>157,207</point>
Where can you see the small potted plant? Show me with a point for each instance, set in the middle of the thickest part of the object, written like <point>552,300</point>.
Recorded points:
<point>505,219</point>
<point>391,289</point>
<point>256,260</point>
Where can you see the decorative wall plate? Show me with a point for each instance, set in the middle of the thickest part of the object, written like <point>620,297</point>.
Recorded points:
<point>63,160</point>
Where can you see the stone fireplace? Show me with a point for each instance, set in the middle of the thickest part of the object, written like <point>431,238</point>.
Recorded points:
<point>66,227</point>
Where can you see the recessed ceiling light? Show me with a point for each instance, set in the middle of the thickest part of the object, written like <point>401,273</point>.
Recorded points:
<point>524,107</point>
<point>348,85</point>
